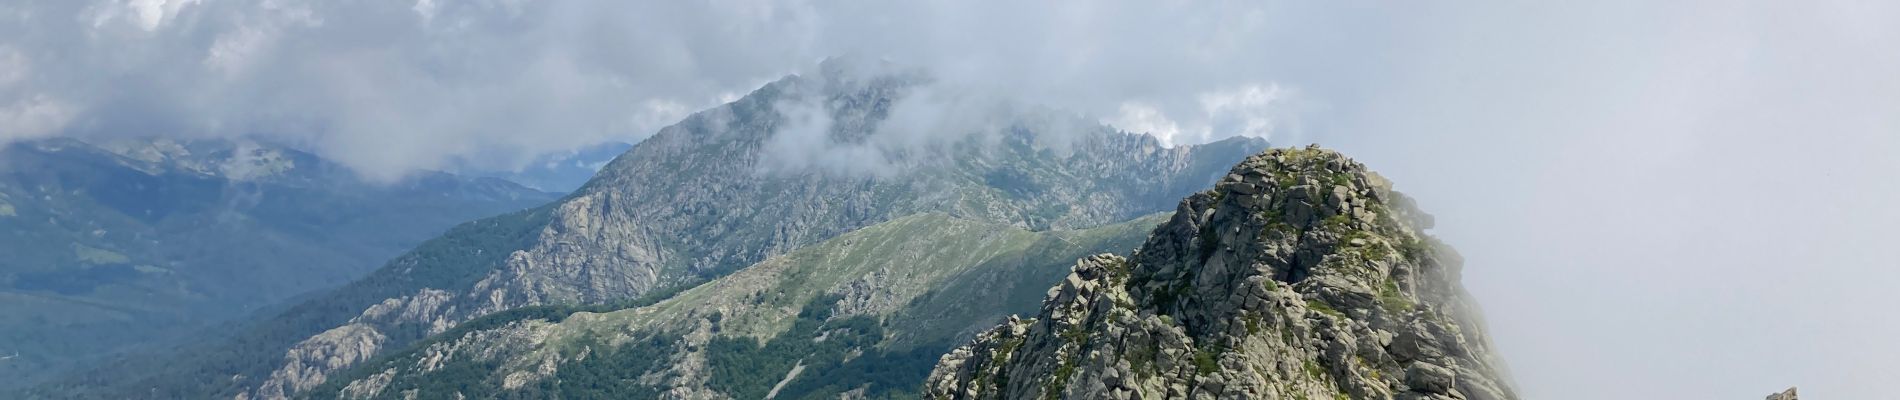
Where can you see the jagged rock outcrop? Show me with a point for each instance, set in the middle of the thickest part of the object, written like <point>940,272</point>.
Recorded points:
<point>1784,395</point>
<point>1301,275</point>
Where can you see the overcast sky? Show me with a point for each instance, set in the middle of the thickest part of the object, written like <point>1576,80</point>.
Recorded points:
<point>1683,199</point>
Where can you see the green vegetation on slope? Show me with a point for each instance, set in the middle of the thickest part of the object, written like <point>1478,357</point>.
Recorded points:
<point>745,369</point>
<point>252,349</point>
<point>107,253</point>
<point>946,276</point>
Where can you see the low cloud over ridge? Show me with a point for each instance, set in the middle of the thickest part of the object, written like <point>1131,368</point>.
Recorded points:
<point>390,87</point>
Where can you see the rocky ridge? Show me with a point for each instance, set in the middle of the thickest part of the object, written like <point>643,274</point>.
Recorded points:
<point>1301,275</point>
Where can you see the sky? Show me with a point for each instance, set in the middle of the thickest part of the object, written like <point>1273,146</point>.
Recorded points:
<point>1686,199</point>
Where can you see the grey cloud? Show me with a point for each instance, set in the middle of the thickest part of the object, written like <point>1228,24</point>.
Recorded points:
<point>387,87</point>
<point>927,121</point>
<point>1676,199</point>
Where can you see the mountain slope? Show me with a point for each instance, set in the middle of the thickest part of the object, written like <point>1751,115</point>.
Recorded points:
<point>119,243</point>
<point>884,299</point>
<point>1301,275</point>
<point>701,199</point>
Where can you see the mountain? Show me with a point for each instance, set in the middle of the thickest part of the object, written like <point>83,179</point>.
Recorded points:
<point>868,312</point>
<point>720,191</point>
<point>118,243</point>
<point>1301,275</point>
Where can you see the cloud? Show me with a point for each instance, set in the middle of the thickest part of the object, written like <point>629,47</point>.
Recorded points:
<point>1680,198</point>
<point>145,14</point>
<point>926,122</point>
<point>1252,110</point>
<point>1137,116</point>
<point>805,140</point>
<point>34,117</point>
<point>23,117</point>
<point>822,127</point>
<point>391,87</point>
<point>13,66</point>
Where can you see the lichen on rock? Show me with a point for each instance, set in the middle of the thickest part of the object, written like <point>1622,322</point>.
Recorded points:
<point>1301,275</point>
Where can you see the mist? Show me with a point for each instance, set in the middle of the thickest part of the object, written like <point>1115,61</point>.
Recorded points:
<point>1658,201</point>
<point>1655,200</point>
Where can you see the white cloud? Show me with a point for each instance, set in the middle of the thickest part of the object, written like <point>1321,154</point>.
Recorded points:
<point>1136,116</point>
<point>652,113</point>
<point>1253,110</point>
<point>14,66</point>
<point>479,73</point>
<point>1249,110</point>
<point>233,50</point>
<point>36,116</point>
<point>804,141</point>
<point>426,10</point>
<point>150,14</point>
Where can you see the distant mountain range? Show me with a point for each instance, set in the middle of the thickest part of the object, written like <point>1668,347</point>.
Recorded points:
<point>113,244</point>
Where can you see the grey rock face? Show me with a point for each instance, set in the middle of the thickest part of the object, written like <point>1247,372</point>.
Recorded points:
<point>1301,275</point>
<point>1784,395</point>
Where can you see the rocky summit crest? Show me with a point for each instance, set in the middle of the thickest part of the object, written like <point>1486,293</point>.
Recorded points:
<point>1301,275</point>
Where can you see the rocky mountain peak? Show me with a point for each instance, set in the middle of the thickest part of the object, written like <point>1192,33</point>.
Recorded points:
<point>1785,395</point>
<point>1300,275</point>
